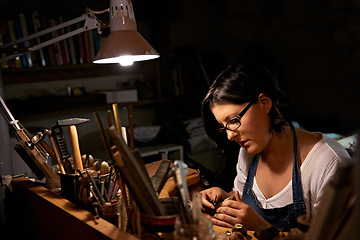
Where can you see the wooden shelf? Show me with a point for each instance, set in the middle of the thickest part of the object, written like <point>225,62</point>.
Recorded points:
<point>41,107</point>
<point>56,73</point>
<point>45,110</point>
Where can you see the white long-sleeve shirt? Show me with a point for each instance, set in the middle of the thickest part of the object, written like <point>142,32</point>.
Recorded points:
<point>317,169</point>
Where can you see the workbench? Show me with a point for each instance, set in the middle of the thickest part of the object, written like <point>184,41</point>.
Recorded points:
<point>34,212</point>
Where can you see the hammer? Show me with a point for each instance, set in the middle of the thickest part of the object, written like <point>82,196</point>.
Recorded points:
<point>71,123</point>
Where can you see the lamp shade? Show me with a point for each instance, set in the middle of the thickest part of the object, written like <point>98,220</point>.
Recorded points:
<point>124,44</point>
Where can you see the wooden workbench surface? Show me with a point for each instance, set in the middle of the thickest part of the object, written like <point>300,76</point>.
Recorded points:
<point>34,212</point>
<point>169,188</point>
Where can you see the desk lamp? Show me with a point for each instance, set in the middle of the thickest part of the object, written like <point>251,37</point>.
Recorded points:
<point>124,44</point>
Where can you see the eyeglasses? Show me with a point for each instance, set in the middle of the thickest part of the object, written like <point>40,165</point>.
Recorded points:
<point>235,123</point>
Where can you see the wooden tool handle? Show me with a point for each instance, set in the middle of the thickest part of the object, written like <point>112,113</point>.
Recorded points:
<point>75,148</point>
<point>57,155</point>
<point>48,149</point>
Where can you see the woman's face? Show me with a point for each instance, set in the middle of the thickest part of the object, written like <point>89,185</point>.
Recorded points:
<point>254,132</point>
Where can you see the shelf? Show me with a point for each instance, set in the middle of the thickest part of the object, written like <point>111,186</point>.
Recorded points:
<point>56,73</point>
<point>175,152</point>
<point>42,107</point>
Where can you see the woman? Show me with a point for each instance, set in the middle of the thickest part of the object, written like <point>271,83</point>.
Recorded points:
<point>281,170</point>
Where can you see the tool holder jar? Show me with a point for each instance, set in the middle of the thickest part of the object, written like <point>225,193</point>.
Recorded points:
<point>110,211</point>
<point>202,230</point>
<point>160,227</point>
<point>70,186</point>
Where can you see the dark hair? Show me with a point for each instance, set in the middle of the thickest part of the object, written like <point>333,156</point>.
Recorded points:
<point>240,83</point>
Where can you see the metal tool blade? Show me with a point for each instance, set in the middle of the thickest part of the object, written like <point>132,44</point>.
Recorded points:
<point>71,121</point>
<point>181,169</point>
<point>158,179</point>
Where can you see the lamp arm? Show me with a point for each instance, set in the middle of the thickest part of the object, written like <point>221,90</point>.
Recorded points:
<point>91,22</point>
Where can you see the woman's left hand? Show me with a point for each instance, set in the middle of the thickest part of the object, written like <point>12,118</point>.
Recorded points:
<point>236,211</point>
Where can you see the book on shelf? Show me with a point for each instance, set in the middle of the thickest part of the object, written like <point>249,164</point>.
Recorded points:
<point>19,34</point>
<point>78,49</point>
<point>11,24</point>
<point>91,43</point>
<point>63,45</point>
<point>42,54</point>
<point>97,40</point>
<point>87,47</point>
<point>5,33</point>
<point>56,49</point>
<point>24,30</point>
<point>80,37</point>
<point>4,65</point>
<point>50,50</point>
<point>71,47</point>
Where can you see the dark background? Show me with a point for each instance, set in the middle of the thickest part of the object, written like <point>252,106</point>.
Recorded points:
<point>312,47</point>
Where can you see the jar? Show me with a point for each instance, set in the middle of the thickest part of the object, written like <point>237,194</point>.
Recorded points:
<point>203,230</point>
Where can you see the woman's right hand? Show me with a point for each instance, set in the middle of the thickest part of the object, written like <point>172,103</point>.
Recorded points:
<point>211,197</point>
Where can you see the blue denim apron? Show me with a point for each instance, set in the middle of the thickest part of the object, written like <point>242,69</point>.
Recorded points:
<point>284,217</point>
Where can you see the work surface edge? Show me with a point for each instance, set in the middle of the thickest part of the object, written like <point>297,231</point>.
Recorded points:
<point>33,211</point>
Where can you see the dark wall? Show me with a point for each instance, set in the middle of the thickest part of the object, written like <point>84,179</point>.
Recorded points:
<point>312,46</point>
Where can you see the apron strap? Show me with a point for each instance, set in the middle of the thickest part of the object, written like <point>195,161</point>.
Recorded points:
<point>296,178</point>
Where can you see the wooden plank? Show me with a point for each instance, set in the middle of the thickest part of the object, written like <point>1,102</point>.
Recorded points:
<point>36,212</point>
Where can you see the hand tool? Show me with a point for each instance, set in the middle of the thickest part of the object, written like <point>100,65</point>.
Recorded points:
<point>103,135</point>
<point>109,118</point>
<point>87,160</point>
<point>136,177</point>
<point>97,165</point>
<point>104,168</point>
<point>34,155</point>
<point>121,130</point>
<point>196,206</point>
<point>158,179</point>
<point>214,202</point>
<point>84,191</point>
<point>104,172</point>
<point>95,188</point>
<point>71,123</point>
<point>115,190</point>
<point>68,166</point>
<point>56,152</point>
<point>91,161</point>
<point>38,138</point>
<point>117,116</point>
<point>6,179</point>
<point>58,135</point>
<point>131,128</point>
<point>180,170</point>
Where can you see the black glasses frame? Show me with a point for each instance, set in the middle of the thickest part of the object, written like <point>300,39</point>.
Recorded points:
<point>236,119</point>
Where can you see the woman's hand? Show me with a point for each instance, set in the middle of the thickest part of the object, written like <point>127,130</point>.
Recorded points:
<point>211,198</point>
<point>236,211</point>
